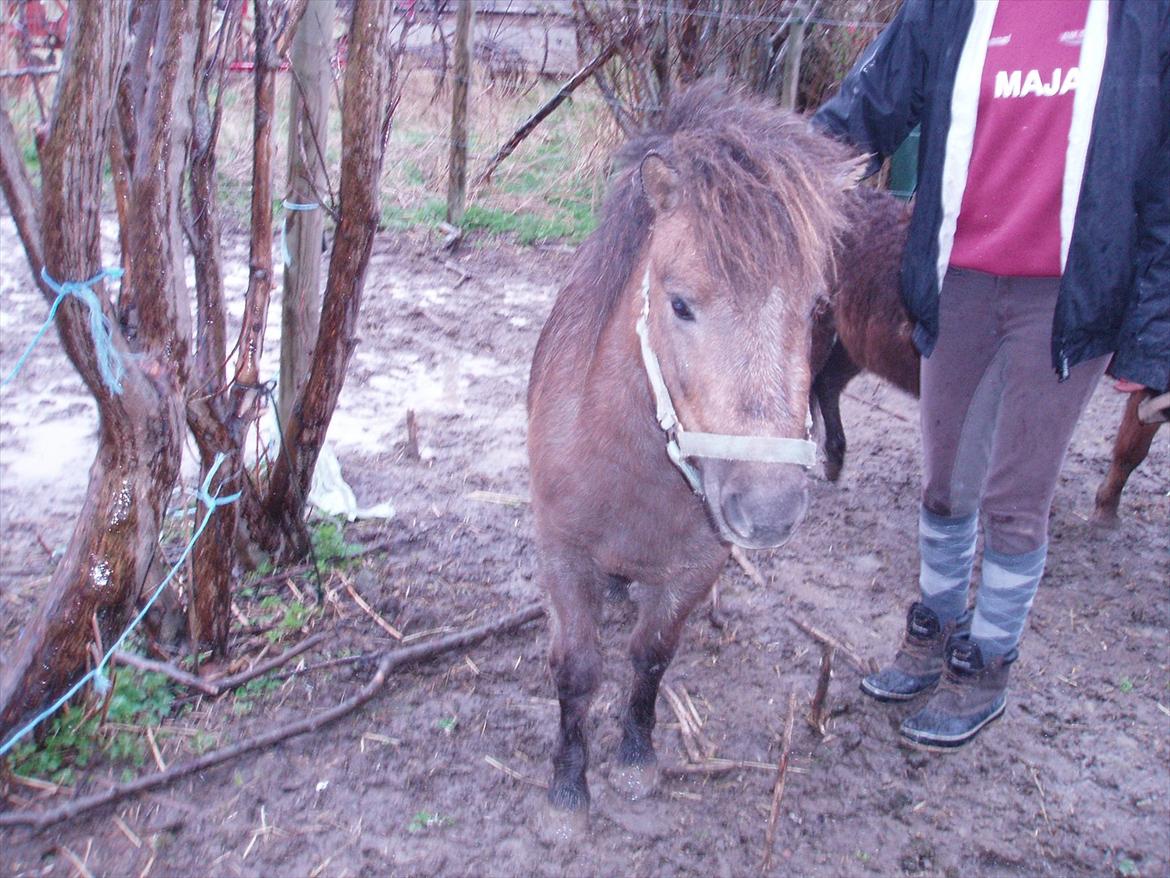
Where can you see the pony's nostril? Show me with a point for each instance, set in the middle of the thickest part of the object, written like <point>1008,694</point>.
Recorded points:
<point>736,517</point>
<point>764,518</point>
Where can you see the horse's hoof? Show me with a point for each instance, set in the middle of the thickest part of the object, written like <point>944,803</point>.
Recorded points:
<point>560,826</point>
<point>1105,519</point>
<point>635,782</point>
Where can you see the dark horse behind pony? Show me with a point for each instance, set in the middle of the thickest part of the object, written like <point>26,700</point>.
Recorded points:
<point>669,395</point>
<point>864,326</point>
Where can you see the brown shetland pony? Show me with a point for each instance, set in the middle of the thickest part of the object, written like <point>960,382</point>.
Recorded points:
<point>728,212</point>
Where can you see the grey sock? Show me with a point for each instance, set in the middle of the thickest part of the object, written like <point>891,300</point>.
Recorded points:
<point>947,549</point>
<point>1005,596</point>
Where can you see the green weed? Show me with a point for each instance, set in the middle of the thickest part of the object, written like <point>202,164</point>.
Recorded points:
<point>259,686</point>
<point>264,568</point>
<point>296,615</point>
<point>75,738</point>
<point>330,547</point>
<point>424,820</point>
<point>571,223</point>
<point>282,619</point>
<point>201,742</point>
<point>447,724</point>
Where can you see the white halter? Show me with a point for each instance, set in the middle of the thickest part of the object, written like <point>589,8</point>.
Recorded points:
<point>682,444</point>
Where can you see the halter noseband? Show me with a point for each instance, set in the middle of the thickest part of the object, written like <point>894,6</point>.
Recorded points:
<point>682,444</point>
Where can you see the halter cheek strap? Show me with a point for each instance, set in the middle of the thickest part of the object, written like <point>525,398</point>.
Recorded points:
<point>682,444</point>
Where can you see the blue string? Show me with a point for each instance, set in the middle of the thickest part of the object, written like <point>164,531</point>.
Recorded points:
<point>101,682</point>
<point>292,205</point>
<point>109,363</point>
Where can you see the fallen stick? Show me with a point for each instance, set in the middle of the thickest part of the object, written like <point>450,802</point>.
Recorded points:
<point>390,661</point>
<point>714,611</point>
<point>818,716</point>
<point>154,751</point>
<point>372,613</point>
<point>863,666</point>
<point>262,668</point>
<point>496,497</point>
<point>778,788</point>
<point>328,663</point>
<point>464,276</point>
<point>168,670</point>
<point>82,869</point>
<point>694,752</point>
<point>514,774</point>
<point>714,766</point>
<point>705,745</point>
<point>412,446</point>
<point>753,572</point>
<point>216,686</point>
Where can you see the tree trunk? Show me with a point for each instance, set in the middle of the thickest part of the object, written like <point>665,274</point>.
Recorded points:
<point>212,560</point>
<point>114,547</point>
<point>307,132</point>
<point>220,416</point>
<point>251,345</point>
<point>457,171</point>
<point>365,124</point>
<point>689,45</point>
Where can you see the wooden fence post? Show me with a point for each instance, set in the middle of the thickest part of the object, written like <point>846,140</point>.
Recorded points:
<point>457,180</point>
<point>307,132</point>
<point>792,58</point>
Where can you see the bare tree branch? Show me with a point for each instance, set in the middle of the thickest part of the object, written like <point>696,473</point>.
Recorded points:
<point>551,104</point>
<point>21,197</point>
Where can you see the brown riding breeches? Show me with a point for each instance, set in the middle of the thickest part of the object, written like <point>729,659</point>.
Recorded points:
<point>996,421</point>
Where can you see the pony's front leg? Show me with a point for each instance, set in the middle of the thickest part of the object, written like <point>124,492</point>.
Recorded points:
<point>575,660</point>
<point>660,622</point>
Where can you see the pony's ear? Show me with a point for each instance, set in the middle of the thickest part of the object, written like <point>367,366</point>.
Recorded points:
<point>660,183</point>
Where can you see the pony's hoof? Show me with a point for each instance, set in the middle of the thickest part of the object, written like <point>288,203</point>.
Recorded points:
<point>560,826</point>
<point>635,782</point>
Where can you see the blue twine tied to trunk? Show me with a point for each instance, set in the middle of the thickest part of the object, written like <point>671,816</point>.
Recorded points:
<point>101,682</point>
<point>108,361</point>
<point>292,205</point>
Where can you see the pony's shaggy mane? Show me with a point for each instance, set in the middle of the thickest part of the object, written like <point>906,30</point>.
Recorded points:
<point>764,195</point>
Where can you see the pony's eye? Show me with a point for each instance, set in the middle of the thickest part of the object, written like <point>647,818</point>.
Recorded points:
<point>681,309</point>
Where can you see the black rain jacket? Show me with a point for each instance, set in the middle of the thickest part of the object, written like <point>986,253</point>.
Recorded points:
<point>1115,290</point>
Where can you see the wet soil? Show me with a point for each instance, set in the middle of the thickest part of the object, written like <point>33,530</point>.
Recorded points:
<point>1073,781</point>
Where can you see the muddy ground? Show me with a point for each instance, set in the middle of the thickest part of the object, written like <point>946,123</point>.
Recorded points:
<point>1074,780</point>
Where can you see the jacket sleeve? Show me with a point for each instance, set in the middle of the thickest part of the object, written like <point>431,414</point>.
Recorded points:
<point>881,99</point>
<point>1143,349</point>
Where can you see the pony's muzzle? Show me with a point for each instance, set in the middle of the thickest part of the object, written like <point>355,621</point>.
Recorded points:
<point>759,506</point>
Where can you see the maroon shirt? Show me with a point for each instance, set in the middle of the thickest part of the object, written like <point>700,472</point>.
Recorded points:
<point>1009,223</point>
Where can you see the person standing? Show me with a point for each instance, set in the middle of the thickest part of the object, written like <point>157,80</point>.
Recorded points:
<point>1038,258</point>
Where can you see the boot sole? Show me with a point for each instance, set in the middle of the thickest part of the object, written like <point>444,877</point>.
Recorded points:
<point>949,743</point>
<point>886,697</point>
